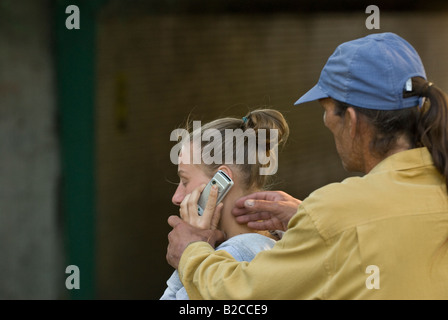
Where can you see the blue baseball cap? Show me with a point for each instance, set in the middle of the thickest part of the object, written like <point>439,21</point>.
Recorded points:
<point>371,72</point>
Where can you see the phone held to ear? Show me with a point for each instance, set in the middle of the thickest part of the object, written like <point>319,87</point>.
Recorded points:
<point>223,182</point>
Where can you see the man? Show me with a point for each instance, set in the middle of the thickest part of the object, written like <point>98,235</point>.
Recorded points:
<point>381,236</point>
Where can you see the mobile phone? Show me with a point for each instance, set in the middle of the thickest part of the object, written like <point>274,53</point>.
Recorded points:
<point>223,182</point>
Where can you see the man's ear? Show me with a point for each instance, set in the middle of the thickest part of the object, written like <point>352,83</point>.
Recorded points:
<point>227,171</point>
<point>351,119</point>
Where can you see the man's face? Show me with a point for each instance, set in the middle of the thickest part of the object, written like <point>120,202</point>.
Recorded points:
<point>341,127</point>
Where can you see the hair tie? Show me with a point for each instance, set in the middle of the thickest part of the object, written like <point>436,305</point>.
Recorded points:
<point>245,119</point>
<point>425,89</point>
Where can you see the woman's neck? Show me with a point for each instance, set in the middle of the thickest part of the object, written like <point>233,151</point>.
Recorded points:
<point>228,222</point>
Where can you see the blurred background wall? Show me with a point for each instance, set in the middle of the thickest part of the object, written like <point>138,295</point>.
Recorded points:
<point>86,117</point>
<point>31,243</point>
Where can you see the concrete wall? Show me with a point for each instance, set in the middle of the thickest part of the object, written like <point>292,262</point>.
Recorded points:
<point>156,69</point>
<point>31,259</point>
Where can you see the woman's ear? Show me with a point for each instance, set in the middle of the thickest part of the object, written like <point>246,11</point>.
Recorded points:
<point>227,171</point>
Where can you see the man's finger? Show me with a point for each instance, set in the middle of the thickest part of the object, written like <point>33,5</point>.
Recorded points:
<point>251,205</point>
<point>173,221</point>
<point>245,207</point>
<point>263,205</point>
<point>257,216</point>
<point>257,195</point>
<point>261,195</point>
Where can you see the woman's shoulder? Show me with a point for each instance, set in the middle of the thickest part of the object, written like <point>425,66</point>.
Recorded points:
<point>244,247</point>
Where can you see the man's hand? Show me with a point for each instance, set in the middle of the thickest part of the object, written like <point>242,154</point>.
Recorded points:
<point>183,234</point>
<point>266,210</point>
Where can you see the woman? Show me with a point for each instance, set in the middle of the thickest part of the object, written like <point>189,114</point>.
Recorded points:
<point>242,242</point>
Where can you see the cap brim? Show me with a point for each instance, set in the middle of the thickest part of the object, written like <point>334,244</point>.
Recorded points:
<point>315,93</point>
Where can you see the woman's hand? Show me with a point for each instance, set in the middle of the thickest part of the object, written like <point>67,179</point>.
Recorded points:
<point>194,227</point>
<point>212,212</point>
<point>266,210</point>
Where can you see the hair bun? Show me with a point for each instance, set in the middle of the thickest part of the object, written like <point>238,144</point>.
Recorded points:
<point>267,119</point>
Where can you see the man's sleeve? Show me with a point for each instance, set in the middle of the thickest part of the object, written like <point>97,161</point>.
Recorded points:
<point>295,268</point>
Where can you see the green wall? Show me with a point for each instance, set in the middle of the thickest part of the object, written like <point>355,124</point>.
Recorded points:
<point>75,69</point>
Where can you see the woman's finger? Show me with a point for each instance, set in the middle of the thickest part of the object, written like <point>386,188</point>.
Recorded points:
<point>193,201</point>
<point>197,193</point>
<point>210,206</point>
<point>183,211</point>
<point>216,217</point>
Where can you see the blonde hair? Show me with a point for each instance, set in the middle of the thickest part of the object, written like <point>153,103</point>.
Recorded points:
<point>249,173</point>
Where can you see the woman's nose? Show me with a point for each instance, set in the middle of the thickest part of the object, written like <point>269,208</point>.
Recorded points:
<point>178,196</point>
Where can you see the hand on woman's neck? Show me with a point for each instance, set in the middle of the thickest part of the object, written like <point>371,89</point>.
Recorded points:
<point>228,223</point>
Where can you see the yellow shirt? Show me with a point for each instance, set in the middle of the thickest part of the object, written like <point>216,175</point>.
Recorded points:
<point>381,236</point>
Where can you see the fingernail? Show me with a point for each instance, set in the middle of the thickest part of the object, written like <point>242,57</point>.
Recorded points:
<point>249,203</point>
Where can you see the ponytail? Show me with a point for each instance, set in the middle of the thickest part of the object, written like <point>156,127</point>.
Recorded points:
<point>424,126</point>
<point>432,125</point>
<point>266,119</point>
